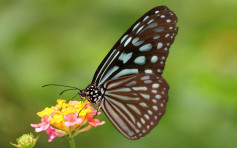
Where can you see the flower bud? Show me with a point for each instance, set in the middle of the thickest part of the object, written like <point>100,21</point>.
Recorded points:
<point>26,141</point>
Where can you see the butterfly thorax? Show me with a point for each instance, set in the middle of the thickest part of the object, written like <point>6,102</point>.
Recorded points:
<point>92,94</point>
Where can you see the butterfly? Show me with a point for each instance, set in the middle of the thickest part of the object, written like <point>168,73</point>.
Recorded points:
<point>128,85</point>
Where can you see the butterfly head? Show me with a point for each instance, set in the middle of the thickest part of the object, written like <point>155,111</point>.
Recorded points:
<point>92,94</point>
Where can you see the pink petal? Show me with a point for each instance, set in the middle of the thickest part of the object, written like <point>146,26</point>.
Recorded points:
<point>71,119</point>
<point>96,122</point>
<point>78,121</point>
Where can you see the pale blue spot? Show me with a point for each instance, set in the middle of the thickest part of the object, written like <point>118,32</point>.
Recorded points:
<point>149,26</point>
<point>134,108</point>
<point>145,77</point>
<point>150,21</point>
<point>138,43</point>
<point>148,81</point>
<point>139,29</point>
<point>131,83</point>
<point>156,37</point>
<point>146,47</point>
<point>159,45</point>
<point>148,71</point>
<point>145,96</point>
<point>154,59</point>
<point>136,26</point>
<point>156,85</point>
<point>145,18</point>
<point>159,29</point>
<point>125,57</point>
<point>135,40</point>
<point>141,60</point>
<point>168,20</point>
<point>139,88</point>
<point>155,108</point>
<point>123,38</point>
<point>158,96</point>
<point>126,72</point>
<point>143,104</point>
<point>128,40</point>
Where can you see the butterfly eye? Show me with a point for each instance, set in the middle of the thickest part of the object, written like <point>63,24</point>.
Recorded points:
<point>128,84</point>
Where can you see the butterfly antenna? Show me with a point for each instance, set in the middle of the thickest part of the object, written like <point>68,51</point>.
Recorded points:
<point>67,90</point>
<point>60,85</point>
<point>70,88</point>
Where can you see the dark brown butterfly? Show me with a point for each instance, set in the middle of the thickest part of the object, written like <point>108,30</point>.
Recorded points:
<point>128,84</point>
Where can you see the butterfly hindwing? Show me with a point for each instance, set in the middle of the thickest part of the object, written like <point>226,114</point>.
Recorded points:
<point>143,48</point>
<point>135,103</point>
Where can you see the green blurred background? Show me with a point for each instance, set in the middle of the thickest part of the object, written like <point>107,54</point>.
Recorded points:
<point>63,42</point>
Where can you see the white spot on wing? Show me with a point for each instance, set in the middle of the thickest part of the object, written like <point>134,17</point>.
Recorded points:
<point>124,37</point>
<point>145,96</point>
<point>148,71</point>
<point>126,72</point>
<point>143,104</point>
<point>146,116</point>
<point>128,40</point>
<point>139,88</point>
<point>158,96</point>
<point>149,112</point>
<point>145,77</point>
<point>162,16</point>
<point>159,29</point>
<point>120,90</point>
<point>146,47</point>
<point>159,45</point>
<point>147,81</point>
<point>125,57</point>
<point>156,37</point>
<point>141,60</point>
<point>155,108</point>
<point>139,125</point>
<point>149,26</point>
<point>134,108</point>
<point>136,26</point>
<point>126,98</point>
<point>145,18</point>
<point>155,85</point>
<point>143,121</point>
<point>135,40</point>
<point>154,59</point>
<point>150,21</point>
<point>139,29</point>
<point>131,83</point>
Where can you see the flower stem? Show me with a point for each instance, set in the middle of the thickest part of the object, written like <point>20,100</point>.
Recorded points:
<point>71,141</point>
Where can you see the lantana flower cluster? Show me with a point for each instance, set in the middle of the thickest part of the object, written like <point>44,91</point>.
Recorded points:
<point>67,119</point>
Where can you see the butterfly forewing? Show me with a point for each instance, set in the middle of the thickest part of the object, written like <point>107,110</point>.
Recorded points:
<point>135,103</point>
<point>143,48</point>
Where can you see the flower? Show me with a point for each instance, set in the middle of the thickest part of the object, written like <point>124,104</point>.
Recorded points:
<point>26,141</point>
<point>71,119</point>
<point>67,119</point>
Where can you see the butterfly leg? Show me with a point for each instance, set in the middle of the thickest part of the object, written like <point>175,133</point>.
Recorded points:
<point>98,108</point>
<point>73,97</point>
